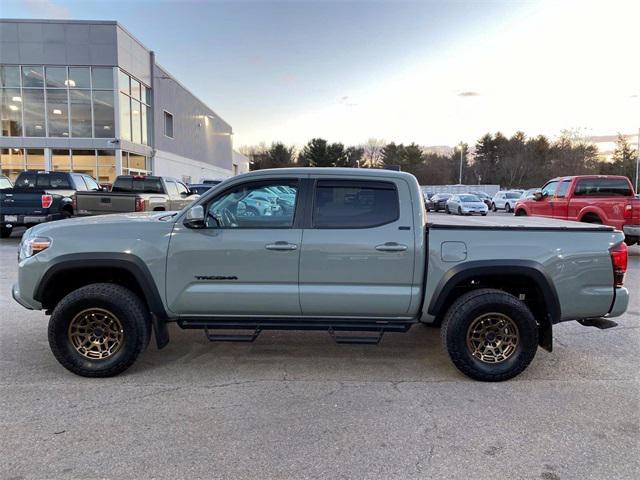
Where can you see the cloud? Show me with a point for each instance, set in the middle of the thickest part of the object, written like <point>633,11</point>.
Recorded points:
<point>347,101</point>
<point>46,9</point>
<point>469,94</point>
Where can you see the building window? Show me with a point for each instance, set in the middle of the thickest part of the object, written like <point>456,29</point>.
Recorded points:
<point>106,166</point>
<point>71,94</point>
<point>134,108</point>
<point>80,107</point>
<point>11,111</point>
<point>58,112</point>
<point>12,162</point>
<point>168,124</point>
<point>134,164</point>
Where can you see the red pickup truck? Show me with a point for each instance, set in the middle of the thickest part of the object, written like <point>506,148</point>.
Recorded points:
<point>606,199</point>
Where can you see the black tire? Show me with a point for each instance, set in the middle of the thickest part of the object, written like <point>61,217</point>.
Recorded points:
<point>122,303</point>
<point>493,207</point>
<point>483,214</point>
<point>629,240</point>
<point>521,213</point>
<point>5,232</point>
<point>465,311</point>
<point>507,208</point>
<point>446,209</point>
<point>591,218</point>
<point>459,210</point>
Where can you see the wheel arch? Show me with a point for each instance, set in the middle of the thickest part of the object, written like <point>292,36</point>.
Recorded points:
<point>523,276</point>
<point>69,272</point>
<point>592,210</point>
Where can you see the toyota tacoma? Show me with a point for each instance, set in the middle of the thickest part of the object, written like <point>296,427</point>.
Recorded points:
<point>349,251</point>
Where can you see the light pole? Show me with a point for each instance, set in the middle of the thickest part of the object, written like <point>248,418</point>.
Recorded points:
<point>461,148</point>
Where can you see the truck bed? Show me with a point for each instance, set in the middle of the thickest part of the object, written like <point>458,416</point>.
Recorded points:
<point>497,222</point>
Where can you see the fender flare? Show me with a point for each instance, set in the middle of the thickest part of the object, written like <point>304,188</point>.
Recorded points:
<point>130,263</point>
<point>594,210</point>
<point>526,268</point>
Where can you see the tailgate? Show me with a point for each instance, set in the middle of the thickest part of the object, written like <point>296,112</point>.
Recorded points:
<point>89,203</point>
<point>15,202</point>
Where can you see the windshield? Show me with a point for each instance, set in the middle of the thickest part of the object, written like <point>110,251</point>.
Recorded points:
<point>512,195</point>
<point>469,198</point>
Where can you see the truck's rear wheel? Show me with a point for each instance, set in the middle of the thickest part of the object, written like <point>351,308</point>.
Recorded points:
<point>490,335</point>
<point>99,330</point>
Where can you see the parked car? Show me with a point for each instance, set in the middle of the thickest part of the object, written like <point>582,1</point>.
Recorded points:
<point>504,200</point>
<point>200,188</point>
<point>486,198</point>
<point>40,197</point>
<point>134,193</point>
<point>466,204</point>
<point>5,183</point>
<point>602,199</point>
<point>211,182</point>
<point>497,285</point>
<point>438,202</point>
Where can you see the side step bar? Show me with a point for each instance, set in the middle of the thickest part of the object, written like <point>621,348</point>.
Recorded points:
<point>332,326</point>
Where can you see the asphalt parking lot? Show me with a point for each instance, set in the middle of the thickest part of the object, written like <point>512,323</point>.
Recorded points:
<point>296,405</point>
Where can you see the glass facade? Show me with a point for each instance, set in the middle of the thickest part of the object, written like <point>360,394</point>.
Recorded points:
<point>133,164</point>
<point>38,101</point>
<point>134,109</point>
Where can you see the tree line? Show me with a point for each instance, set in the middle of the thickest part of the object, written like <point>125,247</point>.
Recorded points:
<point>516,161</point>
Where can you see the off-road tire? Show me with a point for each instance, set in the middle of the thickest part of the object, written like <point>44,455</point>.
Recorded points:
<point>5,232</point>
<point>465,310</point>
<point>122,303</point>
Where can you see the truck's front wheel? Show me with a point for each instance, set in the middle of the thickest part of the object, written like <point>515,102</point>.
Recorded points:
<point>490,335</point>
<point>99,330</point>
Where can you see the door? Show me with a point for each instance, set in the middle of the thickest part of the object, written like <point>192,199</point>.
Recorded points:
<point>358,255</point>
<point>183,195</point>
<point>561,200</point>
<point>240,264</point>
<point>544,206</point>
<point>173,198</point>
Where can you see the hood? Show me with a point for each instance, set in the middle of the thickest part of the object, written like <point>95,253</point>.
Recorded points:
<point>110,219</point>
<point>473,204</point>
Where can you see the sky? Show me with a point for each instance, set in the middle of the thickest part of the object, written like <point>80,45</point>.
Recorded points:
<point>430,72</point>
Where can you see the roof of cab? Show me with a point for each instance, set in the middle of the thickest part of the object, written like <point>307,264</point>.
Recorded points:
<point>337,171</point>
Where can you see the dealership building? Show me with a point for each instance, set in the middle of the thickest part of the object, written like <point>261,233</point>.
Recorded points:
<point>86,96</point>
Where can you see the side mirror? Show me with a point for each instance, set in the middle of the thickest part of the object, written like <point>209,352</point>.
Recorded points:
<point>195,217</point>
<point>537,196</point>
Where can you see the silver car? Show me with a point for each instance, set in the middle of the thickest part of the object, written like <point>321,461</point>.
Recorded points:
<point>466,204</point>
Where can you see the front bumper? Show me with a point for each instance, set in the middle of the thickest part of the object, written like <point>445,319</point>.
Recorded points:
<point>631,230</point>
<point>28,220</point>
<point>620,302</point>
<point>32,305</point>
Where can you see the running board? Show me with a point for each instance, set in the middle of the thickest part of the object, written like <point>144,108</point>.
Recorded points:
<point>598,322</point>
<point>332,326</point>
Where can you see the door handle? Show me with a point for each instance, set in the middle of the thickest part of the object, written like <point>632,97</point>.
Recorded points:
<point>282,246</point>
<point>391,247</point>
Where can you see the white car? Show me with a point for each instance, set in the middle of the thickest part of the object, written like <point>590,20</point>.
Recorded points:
<point>466,204</point>
<point>504,200</point>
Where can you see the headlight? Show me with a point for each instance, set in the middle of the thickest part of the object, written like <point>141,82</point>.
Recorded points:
<point>33,245</point>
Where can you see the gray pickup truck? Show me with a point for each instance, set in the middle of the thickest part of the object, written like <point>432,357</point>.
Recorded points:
<point>135,193</point>
<point>353,253</point>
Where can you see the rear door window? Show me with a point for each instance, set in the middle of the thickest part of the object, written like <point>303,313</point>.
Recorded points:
<point>91,183</point>
<point>138,185</point>
<point>354,204</point>
<point>79,181</point>
<point>172,190</point>
<point>603,187</point>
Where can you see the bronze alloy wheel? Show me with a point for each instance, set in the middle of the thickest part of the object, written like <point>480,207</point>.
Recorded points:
<point>492,337</point>
<point>96,333</point>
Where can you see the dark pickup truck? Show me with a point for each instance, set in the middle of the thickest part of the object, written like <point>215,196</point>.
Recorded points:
<point>39,197</point>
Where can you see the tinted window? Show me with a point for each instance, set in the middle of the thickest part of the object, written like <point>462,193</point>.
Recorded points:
<point>512,195</point>
<point>4,183</point>
<point>469,198</point>
<point>360,204</point>
<point>602,187</point>
<point>43,180</point>
<point>138,185</point>
<point>168,124</point>
<point>562,189</point>
<point>253,206</point>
